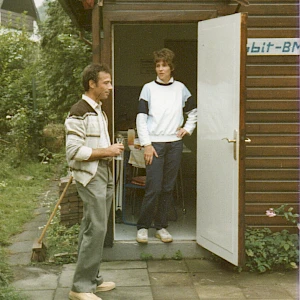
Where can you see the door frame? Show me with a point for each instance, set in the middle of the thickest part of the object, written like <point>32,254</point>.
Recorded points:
<point>111,17</point>
<point>242,144</point>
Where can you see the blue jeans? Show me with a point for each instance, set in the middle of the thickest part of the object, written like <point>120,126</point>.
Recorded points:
<point>160,181</point>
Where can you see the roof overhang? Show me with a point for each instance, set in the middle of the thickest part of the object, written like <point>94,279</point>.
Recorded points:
<point>82,18</point>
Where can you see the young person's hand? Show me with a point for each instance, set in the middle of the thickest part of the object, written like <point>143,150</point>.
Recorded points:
<point>149,151</point>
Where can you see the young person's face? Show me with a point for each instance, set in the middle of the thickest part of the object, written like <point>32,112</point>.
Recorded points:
<point>101,89</point>
<point>163,71</point>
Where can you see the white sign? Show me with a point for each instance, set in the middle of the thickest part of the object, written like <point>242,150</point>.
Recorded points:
<point>283,46</point>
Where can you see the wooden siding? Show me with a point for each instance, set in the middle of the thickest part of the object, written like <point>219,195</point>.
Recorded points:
<point>272,117</point>
<point>272,105</point>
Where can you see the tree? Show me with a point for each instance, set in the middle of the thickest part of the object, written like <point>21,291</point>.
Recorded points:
<point>63,57</point>
<point>39,80</point>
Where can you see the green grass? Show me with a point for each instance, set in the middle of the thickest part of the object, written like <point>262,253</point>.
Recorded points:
<point>20,194</point>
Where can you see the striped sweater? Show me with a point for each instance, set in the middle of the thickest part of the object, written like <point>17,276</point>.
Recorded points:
<point>82,135</point>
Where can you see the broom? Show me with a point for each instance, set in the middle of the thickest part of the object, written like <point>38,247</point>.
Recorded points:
<point>38,248</point>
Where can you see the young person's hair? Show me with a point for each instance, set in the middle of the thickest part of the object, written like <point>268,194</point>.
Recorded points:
<point>165,55</point>
<point>91,72</point>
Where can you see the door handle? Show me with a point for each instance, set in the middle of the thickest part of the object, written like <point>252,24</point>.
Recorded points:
<point>235,144</point>
<point>247,140</point>
<point>229,141</point>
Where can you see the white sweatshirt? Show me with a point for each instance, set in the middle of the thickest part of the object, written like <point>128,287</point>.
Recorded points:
<point>160,112</point>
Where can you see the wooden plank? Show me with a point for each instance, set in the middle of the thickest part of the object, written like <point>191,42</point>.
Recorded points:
<point>273,81</point>
<point>271,10</point>
<point>274,70</point>
<point>272,117</point>
<point>277,198</point>
<point>263,220</point>
<point>272,59</point>
<point>278,228</point>
<point>272,186</point>
<point>268,93</point>
<point>260,174</point>
<point>275,151</point>
<point>273,128</point>
<point>270,162</point>
<point>258,209</point>
<point>271,21</point>
<point>277,140</point>
<point>272,105</point>
<point>273,33</point>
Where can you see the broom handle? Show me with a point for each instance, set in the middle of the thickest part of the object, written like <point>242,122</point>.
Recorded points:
<point>54,210</point>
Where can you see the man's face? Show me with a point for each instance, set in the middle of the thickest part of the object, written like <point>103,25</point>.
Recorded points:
<point>103,87</point>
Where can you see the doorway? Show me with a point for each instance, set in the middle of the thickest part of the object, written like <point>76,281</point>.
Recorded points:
<point>133,45</point>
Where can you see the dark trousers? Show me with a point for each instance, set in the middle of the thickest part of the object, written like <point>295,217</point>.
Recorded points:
<point>160,181</point>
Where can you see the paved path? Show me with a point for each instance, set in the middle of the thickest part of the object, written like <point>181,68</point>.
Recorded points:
<point>146,280</point>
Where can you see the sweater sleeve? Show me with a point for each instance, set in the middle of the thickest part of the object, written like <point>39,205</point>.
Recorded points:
<point>190,109</point>
<point>75,139</point>
<point>142,117</point>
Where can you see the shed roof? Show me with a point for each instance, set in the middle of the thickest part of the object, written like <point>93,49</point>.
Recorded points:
<point>81,17</point>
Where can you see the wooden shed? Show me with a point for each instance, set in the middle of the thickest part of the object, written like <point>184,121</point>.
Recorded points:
<point>125,33</point>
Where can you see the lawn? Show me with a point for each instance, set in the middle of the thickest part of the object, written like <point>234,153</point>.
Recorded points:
<point>20,193</point>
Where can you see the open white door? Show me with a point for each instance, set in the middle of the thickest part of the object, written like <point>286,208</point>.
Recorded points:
<point>220,141</point>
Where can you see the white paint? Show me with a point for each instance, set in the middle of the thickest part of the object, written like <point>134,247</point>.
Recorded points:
<point>218,108</point>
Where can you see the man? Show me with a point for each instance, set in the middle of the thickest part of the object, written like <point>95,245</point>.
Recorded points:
<point>89,153</point>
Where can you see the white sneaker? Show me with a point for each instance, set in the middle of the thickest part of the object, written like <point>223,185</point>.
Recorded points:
<point>142,235</point>
<point>164,235</point>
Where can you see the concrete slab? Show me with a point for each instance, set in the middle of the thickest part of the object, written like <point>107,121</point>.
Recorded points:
<point>130,293</point>
<point>24,236</point>
<point>19,259</point>
<point>123,278</point>
<point>202,265</point>
<point>20,247</point>
<point>265,292</point>
<point>215,277</point>
<point>61,294</point>
<point>45,295</point>
<point>123,265</point>
<point>210,292</point>
<point>167,266</point>
<point>174,293</point>
<point>167,279</point>
<point>36,278</point>
<point>66,276</point>
<point>131,250</point>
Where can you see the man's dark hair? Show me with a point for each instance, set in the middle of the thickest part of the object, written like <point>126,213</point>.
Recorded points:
<point>91,72</point>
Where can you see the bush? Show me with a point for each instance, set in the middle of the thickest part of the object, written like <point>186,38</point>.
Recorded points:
<point>266,250</point>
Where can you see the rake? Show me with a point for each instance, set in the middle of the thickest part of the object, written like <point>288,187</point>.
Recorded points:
<point>39,250</point>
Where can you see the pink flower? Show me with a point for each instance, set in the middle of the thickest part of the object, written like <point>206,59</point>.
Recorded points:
<point>270,212</point>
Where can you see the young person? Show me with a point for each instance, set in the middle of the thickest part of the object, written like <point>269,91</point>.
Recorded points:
<point>160,128</point>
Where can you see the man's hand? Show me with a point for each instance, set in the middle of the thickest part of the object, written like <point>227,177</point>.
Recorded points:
<point>115,149</point>
<point>148,154</point>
